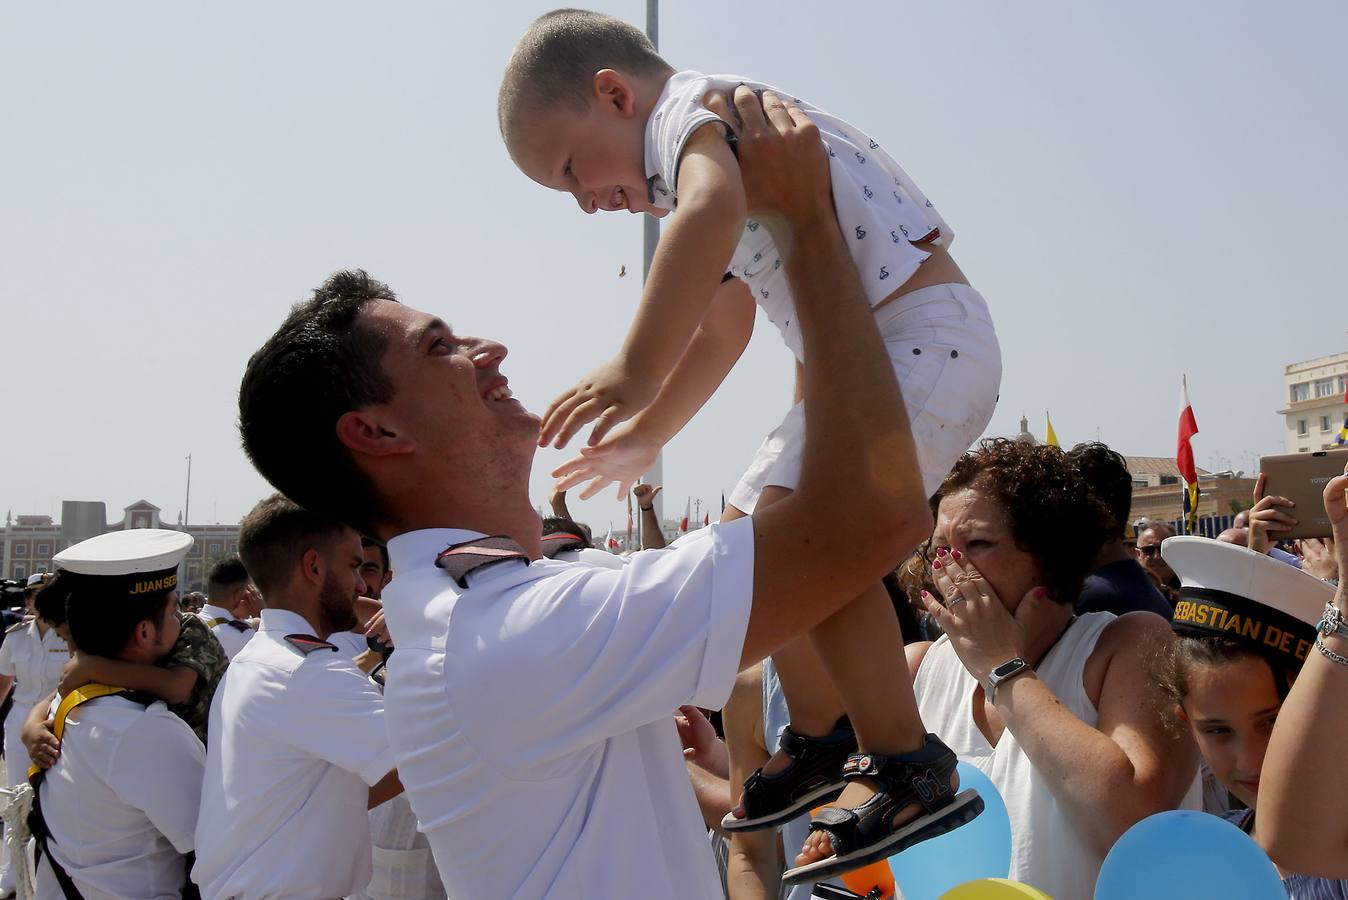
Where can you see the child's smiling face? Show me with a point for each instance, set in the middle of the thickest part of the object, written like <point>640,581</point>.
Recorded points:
<point>598,156</point>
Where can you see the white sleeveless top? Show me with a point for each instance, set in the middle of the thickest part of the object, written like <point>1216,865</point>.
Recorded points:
<point>1046,851</point>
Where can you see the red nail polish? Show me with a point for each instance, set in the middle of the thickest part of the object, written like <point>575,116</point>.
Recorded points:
<point>956,554</point>
<point>940,551</point>
<point>936,564</point>
<point>925,595</point>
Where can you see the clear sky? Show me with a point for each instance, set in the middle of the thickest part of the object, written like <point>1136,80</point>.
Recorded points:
<point>1138,189</point>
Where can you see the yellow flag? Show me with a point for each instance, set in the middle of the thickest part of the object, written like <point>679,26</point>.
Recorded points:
<point>1050,438</point>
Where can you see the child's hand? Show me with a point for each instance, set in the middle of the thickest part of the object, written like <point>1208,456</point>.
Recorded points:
<point>623,456</point>
<point>609,394</point>
<point>43,747</point>
<point>77,673</point>
<point>700,743</point>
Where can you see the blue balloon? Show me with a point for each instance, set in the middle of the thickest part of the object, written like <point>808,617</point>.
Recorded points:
<point>980,849</point>
<point>1183,855</point>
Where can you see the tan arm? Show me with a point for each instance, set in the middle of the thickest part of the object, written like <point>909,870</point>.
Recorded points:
<point>860,464</point>
<point>1303,792</point>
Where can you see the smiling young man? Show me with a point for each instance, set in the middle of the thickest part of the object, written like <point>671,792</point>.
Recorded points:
<point>530,700</point>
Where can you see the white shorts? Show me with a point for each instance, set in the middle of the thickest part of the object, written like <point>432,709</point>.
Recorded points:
<point>945,354</point>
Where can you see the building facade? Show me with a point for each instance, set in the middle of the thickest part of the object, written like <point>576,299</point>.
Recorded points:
<point>30,542</point>
<point>1315,402</point>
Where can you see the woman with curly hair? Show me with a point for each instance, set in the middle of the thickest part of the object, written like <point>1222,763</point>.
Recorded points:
<point>1060,711</point>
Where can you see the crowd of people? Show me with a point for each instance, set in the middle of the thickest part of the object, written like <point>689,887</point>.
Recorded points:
<point>407,685</point>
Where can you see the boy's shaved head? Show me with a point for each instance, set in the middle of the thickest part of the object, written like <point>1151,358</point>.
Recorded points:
<point>554,63</point>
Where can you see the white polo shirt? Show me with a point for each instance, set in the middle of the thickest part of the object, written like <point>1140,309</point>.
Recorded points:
<point>296,741</point>
<point>231,638</point>
<point>121,802</point>
<point>532,714</point>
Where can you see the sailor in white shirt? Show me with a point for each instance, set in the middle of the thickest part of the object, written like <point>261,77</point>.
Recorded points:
<point>298,750</point>
<point>530,700</point>
<point>231,601</point>
<point>117,811</point>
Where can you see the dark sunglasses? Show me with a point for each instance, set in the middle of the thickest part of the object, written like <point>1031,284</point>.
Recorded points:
<point>1151,551</point>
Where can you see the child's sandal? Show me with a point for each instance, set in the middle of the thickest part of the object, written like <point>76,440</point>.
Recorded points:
<point>866,833</point>
<point>813,776</point>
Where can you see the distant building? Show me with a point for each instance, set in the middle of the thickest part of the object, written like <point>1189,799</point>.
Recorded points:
<point>1315,407</point>
<point>30,542</point>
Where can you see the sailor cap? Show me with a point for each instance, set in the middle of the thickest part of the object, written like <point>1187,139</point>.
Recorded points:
<point>136,561</point>
<point>1233,592</point>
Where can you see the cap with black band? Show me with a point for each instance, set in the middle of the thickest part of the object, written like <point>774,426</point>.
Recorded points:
<point>131,563</point>
<point>1233,592</point>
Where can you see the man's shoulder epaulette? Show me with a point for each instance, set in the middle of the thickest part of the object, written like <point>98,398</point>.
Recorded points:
<point>238,625</point>
<point>23,623</point>
<point>307,643</point>
<point>470,556</point>
<point>560,542</point>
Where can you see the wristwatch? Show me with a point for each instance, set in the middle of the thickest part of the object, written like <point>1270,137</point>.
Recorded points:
<point>1005,672</point>
<point>1332,622</point>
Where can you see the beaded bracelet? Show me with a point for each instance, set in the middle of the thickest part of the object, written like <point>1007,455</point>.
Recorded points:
<point>1330,654</point>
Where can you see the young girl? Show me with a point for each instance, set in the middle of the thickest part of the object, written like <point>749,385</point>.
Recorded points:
<point>1243,624</point>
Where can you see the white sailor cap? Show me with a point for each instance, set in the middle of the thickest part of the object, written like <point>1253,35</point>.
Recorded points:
<point>1233,592</point>
<point>136,561</point>
<point>35,581</point>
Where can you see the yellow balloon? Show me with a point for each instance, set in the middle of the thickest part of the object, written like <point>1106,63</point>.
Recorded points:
<point>994,889</point>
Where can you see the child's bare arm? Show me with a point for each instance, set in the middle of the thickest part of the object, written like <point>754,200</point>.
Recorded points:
<point>689,263</point>
<point>37,736</point>
<point>629,450</point>
<point>170,685</point>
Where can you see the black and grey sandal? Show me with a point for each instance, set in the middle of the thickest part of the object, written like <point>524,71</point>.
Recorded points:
<point>867,833</point>
<point>813,776</point>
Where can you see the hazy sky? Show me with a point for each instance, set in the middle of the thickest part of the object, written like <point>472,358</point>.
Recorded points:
<point>1138,189</point>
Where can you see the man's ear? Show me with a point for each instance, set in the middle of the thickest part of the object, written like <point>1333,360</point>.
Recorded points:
<point>312,567</point>
<point>363,432</point>
<point>613,90</point>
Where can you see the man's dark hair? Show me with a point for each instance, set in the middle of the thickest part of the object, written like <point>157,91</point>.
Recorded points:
<point>226,574</point>
<point>366,543</point>
<point>101,624</point>
<point>1052,515</point>
<point>1107,477</point>
<point>554,524</point>
<point>50,602</point>
<point>555,61</point>
<point>320,364</point>
<point>275,535</point>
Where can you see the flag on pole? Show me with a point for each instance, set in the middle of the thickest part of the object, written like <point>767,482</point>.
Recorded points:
<point>1184,457</point>
<point>687,513</point>
<point>1050,437</point>
<point>706,520</point>
<point>722,502</point>
<point>610,542</point>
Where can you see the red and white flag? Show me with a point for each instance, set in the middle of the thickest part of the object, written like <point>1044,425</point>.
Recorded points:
<point>1184,457</point>
<point>687,513</point>
<point>610,542</point>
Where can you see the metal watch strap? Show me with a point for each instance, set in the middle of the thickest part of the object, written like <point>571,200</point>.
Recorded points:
<point>1332,622</point>
<point>994,679</point>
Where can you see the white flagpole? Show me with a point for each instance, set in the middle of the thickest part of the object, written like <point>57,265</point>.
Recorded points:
<point>650,237</point>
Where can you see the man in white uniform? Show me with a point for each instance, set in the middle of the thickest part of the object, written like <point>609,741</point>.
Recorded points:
<point>530,700</point>
<point>31,659</point>
<point>120,804</point>
<point>231,600</point>
<point>298,750</point>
